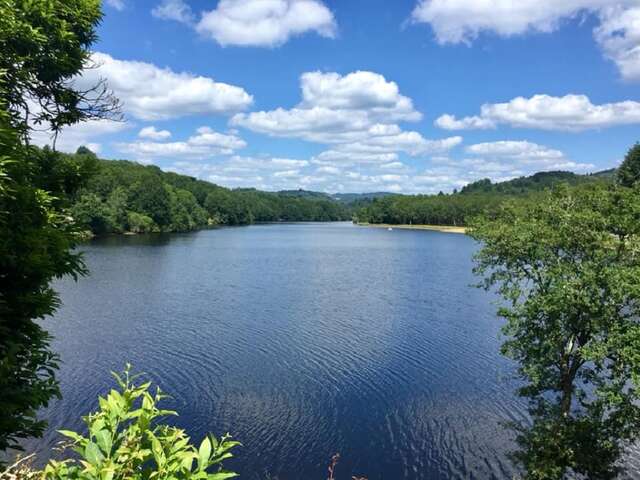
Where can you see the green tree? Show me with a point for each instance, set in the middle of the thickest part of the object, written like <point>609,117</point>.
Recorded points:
<point>152,198</point>
<point>117,207</point>
<point>139,223</point>
<point>44,44</point>
<point>92,213</point>
<point>568,269</point>
<point>36,238</point>
<point>629,171</point>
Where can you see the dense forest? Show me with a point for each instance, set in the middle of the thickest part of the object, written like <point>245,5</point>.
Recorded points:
<point>478,197</point>
<point>123,196</point>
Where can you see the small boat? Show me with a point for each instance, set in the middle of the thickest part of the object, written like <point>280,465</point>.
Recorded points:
<point>390,229</point>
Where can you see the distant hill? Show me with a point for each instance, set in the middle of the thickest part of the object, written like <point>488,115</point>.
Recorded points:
<point>300,193</point>
<point>517,186</point>
<point>535,183</point>
<point>482,196</point>
<point>611,173</point>
<point>358,197</point>
<point>345,198</point>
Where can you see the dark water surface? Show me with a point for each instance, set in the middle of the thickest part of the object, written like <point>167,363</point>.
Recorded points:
<point>302,340</point>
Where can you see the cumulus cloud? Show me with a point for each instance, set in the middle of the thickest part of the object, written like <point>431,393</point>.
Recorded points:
<point>153,134</point>
<point>265,23</point>
<point>619,37</point>
<point>151,93</point>
<point>266,173</point>
<point>206,143</point>
<point>272,173</point>
<point>336,171</point>
<point>361,90</point>
<point>336,108</point>
<point>176,10</point>
<point>569,113</point>
<point>356,113</point>
<point>515,156</point>
<point>461,21</point>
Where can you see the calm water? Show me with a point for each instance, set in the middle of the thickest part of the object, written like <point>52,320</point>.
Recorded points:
<point>302,340</point>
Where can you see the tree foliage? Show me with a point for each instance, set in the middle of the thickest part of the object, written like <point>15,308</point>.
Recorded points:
<point>629,171</point>
<point>36,238</point>
<point>125,441</point>
<point>44,44</point>
<point>125,196</point>
<point>478,197</point>
<point>568,268</point>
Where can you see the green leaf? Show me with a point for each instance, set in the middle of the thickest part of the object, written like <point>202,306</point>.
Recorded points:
<point>92,454</point>
<point>73,435</point>
<point>187,460</point>
<point>221,475</point>
<point>204,452</point>
<point>104,441</point>
<point>107,474</point>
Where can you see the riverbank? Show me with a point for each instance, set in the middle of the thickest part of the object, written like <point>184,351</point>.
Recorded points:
<point>437,228</point>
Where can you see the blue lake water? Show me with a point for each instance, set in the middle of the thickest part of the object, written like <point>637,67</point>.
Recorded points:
<point>302,340</point>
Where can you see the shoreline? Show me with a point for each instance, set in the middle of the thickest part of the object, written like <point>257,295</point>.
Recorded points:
<point>436,228</point>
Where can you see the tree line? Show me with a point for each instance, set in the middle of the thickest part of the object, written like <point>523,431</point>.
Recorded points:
<point>123,196</point>
<point>480,197</point>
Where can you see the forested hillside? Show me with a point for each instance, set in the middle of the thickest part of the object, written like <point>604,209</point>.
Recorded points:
<point>477,197</point>
<point>122,196</point>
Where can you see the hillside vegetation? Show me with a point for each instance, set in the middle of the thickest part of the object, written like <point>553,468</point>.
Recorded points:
<point>123,196</point>
<point>478,197</point>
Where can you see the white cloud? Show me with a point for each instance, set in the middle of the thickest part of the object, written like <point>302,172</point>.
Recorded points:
<point>461,21</point>
<point>152,93</point>
<point>330,172</point>
<point>117,4</point>
<point>356,114</point>
<point>456,21</point>
<point>516,149</point>
<point>153,134</point>
<point>345,158</point>
<point>393,166</point>
<point>206,143</point>
<point>336,108</point>
<point>619,37</point>
<point>88,134</point>
<point>265,23</point>
<point>176,10</point>
<point>287,174</point>
<point>515,156</point>
<point>450,122</point>
<point>569,113</point>
<point>265,173</point>
<point>269,173</point>
<point>359,90</point>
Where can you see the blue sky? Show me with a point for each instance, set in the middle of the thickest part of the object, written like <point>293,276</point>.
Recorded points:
<point>413,96</point>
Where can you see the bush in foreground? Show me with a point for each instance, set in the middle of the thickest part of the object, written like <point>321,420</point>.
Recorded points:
<point>125,441</point>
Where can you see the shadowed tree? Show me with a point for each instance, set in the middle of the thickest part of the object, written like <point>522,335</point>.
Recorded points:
<point>44,45</point>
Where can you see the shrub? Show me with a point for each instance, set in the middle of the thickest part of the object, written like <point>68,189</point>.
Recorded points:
<point>124,442</point>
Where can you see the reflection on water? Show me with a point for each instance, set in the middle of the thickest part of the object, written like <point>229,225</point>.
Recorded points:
<point>302,340</point>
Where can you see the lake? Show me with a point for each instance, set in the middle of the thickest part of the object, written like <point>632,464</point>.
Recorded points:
<point>302,340</point>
